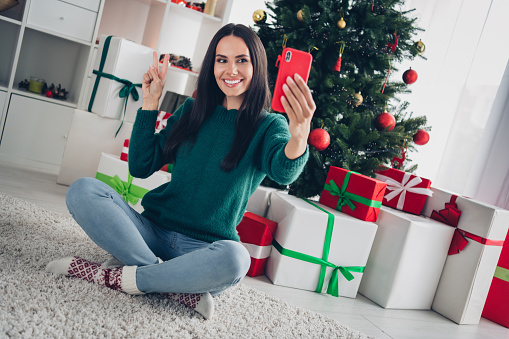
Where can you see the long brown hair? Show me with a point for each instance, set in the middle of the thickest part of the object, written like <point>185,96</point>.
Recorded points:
<point>209,95</point>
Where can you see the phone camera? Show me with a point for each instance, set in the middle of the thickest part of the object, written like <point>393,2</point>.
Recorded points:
<point>288,56</point>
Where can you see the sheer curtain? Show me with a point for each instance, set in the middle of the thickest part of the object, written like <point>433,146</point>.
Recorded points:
<point>457,87</point>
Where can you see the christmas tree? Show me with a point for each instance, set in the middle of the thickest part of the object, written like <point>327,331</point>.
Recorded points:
<point>355,44</point>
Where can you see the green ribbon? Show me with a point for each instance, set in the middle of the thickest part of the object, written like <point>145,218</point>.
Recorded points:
<point>333,287</point>
<point>502,273</point>
<point>347,198</point>
<point>129,192</point>
<point>128,89</point>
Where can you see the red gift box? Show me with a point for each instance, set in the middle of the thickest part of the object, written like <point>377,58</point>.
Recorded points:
<point>496,307</point>
<point>405,192</point>
<point>353,193</point>
<point>125,150</point>
<point>256,234</point>
<point>162,119</point>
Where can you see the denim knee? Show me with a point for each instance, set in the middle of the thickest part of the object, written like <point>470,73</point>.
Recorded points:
<point>79,192</point>
<point>236,258</point>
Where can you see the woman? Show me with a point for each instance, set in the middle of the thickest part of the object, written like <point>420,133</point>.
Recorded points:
<point>222,144</point>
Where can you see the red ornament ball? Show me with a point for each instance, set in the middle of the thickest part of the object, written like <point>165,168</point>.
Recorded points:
<point>49,94</point>
<point>319,139</point>
<point>421,137</point>
<point>410,76</point>
<point>385,120</point>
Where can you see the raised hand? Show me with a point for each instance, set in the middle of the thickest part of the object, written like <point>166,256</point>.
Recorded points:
<point>153,83</point>
<point>300,107</point>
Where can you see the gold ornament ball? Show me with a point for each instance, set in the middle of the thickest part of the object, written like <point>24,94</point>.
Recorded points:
<point>300,15</point>
<point>420,47</point>
<point>259,16</point>
<point>357,99</point>
<point>341,23</point>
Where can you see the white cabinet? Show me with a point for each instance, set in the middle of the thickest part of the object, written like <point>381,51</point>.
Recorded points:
<point>35,131</point>
<point>3,98</point>
<point>50,40</point>
<point>167,28</point>
<point>63,18</point>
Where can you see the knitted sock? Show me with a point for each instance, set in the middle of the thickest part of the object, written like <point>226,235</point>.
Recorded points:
<point>117,278</point>
<point>201,303</point>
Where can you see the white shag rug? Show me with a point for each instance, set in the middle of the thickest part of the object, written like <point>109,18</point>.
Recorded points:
<point>37,304</point>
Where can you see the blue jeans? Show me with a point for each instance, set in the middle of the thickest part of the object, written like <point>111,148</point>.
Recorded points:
<point>190,265</point>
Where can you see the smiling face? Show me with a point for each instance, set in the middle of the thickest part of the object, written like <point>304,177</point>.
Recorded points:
<point>233,70</point>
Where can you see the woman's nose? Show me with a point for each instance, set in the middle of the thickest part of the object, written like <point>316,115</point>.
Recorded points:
<point>233,69</point>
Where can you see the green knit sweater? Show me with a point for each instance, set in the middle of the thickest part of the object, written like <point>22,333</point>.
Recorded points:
<point>201,200</point>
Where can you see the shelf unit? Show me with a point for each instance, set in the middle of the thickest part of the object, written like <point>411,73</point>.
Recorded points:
<point>50,40</point>
<point>167,28</point>
<point>56,40</point>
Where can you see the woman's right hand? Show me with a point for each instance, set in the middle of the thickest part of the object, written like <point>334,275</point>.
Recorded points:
<point>153,83</point>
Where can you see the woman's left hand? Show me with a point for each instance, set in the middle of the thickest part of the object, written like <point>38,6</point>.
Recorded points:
<point>300,107</point>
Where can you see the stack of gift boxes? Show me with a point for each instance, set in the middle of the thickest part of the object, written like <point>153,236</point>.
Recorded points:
<point>113,170</point>
<point>425,248</point>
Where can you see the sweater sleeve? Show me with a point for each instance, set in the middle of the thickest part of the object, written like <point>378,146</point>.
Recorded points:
<point>146,148</point>
<point>274,161</point>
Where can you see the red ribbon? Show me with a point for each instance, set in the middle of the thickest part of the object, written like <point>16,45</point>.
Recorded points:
<point>450,215</point>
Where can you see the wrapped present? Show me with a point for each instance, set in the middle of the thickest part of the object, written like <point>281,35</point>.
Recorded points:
<point>496,307</point>
<point>259,201</point>
<point>405,191</point>
<point>124,156</point>
<point>317,248</point>
<point>479,233</point>
<point>125,150</point>
<point>89,136</point>
<point>162,119</point>
<point>353,193</point>
<point>114,172</point>
<point>406,260</point>
<point>256,234</point>
<point>118,72</point>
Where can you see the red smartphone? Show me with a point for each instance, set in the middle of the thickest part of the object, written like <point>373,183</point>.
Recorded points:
<point>291,61</point>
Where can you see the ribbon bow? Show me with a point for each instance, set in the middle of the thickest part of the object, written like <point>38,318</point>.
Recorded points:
<point>406,185</point>
<point>128,89</point>
<point>450,215</point>
<point>345,198</point>
<point>124,189</point>
<point>333,286</point>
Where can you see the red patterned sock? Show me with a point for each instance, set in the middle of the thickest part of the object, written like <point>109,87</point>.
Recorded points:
<point>201,303</point>
<point>117,278</point>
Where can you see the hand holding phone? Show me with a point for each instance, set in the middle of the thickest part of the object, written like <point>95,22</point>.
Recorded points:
<point>291,61</point>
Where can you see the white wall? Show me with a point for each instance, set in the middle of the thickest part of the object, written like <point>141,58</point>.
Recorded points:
<point>126,21</point>
<point>242,11</point>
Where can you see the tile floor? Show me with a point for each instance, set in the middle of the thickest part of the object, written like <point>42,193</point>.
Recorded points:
<point>360,313</point>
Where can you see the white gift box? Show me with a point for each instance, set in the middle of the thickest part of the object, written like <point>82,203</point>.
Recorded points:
<point>467,276</point>
<point>111,165</point>
<point>302,228</point>
<point>259,202</point>
<point>89,135</point>
<point>125,60</point>
<point>406,260</point>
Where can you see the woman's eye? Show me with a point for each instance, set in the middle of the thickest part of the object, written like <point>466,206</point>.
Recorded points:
<point>221,61</point>
<point>242,60</point>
